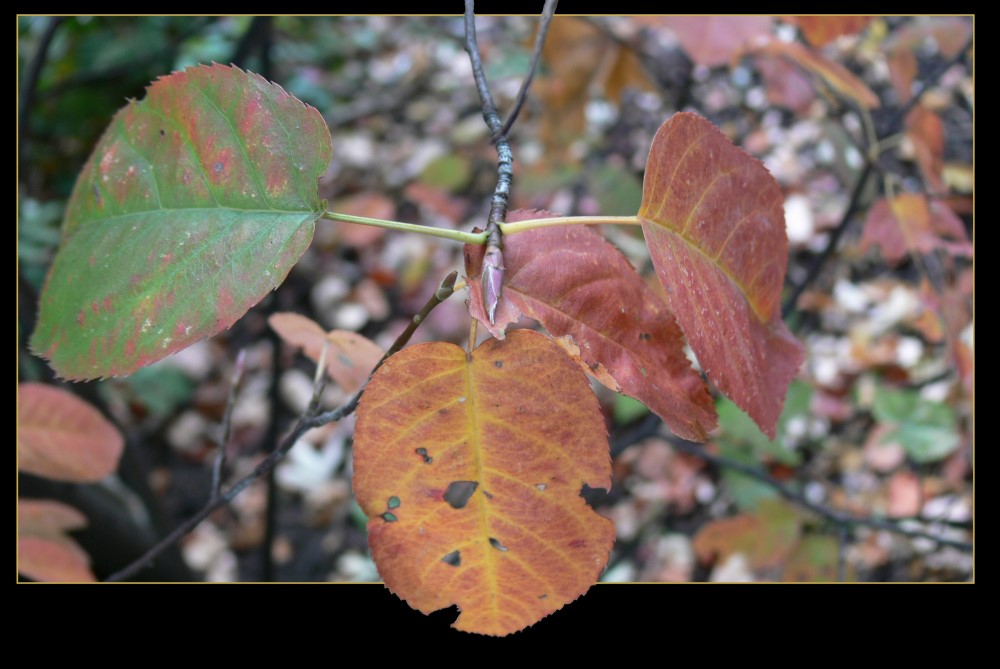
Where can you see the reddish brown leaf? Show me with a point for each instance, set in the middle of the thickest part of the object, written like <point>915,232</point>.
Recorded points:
<point>926,132</point>
<point>585,292</point>
<point>714,222</point>
<point>820,30</point>
<point>766,537</point>
<point>714,40</point>
<point>44,552</point>
<point>908,223</point>
<point>350,357</point>
<point>62,437</point>
<point>786,85</point>
<point>835,75</point>
<point>470,470</point>
<point>902,72</point>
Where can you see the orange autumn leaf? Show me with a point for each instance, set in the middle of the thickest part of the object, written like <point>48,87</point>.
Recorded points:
<point>909,223</point>
<point>61,437</point>
<point>470,469</point>
<point>820,30</point>
<point>833,74</point>
<point>564,277</point>
<point>714,222</point>
<point>580,59</point>
<point>350,357</point>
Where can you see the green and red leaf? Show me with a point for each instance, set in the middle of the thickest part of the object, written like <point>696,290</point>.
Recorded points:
<point>470,470</point>
<point>714,221</point>
<point>194,205</point>
<point>588,296</point>
<point>61,437</point>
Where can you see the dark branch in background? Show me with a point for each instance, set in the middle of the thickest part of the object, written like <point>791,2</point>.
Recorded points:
<point>311,419</point>
<point>218,469</point>
<point>543,30</point>
<point>831,242</point>
<point>838,517</point>
<point>650,427</point>
<point>32,73</point>
<point>900,114</point>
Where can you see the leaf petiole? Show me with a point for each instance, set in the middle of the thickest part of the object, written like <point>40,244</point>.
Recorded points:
<point>454,235</point>
<point>533,223</point>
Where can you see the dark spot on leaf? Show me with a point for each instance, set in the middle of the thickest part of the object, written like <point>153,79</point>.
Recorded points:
<point>498,363</point>
<point>218,168</point>
<point>453,558</point>
<point>422,452</point>
<point>578,543</point>
<point>389,517</point>
<point>497,545</point>
<point>393,502</point>
<point>542,596</point>
<point>488,495</point>
<point>459,492</point>
<point>162,132</point>
<point>644,336</point>
<point>594,497</point>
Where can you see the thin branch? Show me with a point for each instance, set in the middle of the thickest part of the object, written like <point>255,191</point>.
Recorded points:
<point>543,29</point>
<point>493,267</point>
<point>311,419</point>
<point>227,423</point>
<point>838,517</point>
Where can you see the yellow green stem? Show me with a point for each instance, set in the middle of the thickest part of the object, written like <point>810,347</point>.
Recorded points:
<point>533,223</point>
<point>454,235</point>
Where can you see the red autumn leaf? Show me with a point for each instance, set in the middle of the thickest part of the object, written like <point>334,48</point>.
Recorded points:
<point>909,223</point>
<point>61,437</point>
<point>713,40</point>
<point>820,30</point>
<point>766,537</point>
<point>350,357</point>
<point>470,468</point>
<point>835,75</point>
<point>714,221</point>
<point>585,293</point>
<point>44,551</point>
